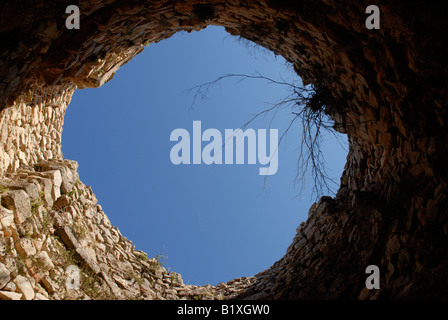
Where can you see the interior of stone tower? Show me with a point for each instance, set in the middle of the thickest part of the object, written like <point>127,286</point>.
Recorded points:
<point>384,88</point>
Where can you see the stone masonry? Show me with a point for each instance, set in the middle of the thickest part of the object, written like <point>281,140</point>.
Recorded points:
<point>50,220</point>
<point>385,89</point>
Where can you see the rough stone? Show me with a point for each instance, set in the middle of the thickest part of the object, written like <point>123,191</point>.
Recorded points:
<point>5,276</point>
<point>8,295</point>
<point>25,247</point>
<point>19,202</point>
<point>385,89</point>
<point>44,261</point>
<point>24,286</point>
<point>6,217</point>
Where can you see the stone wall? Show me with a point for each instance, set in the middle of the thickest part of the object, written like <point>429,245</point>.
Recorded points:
<point>32,131</point>
<point>386,89</point>
<point>50,221</point>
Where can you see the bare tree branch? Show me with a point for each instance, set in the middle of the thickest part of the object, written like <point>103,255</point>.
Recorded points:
<point>306,104</point>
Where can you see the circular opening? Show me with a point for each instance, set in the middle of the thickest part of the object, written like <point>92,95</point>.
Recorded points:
<point>216,222</point>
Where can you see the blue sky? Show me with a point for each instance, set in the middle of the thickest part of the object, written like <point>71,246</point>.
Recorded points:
<point>213,223</point>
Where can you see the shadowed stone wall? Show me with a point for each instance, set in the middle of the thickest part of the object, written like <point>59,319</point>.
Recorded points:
<point>386,89</point>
